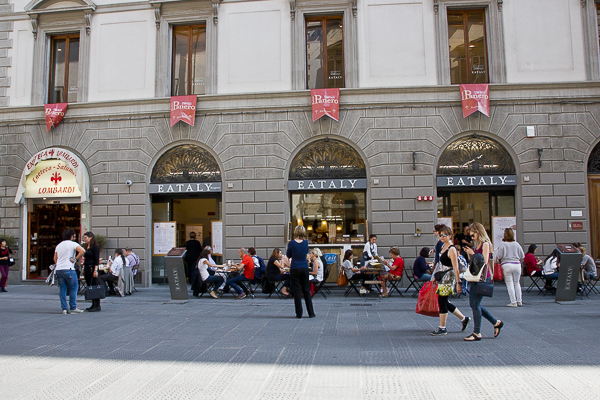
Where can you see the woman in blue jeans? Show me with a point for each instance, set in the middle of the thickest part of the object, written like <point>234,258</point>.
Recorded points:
<point>482,246</point>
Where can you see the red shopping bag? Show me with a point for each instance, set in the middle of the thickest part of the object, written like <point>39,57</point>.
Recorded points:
<point>498,273</point>
<point>428,300</point>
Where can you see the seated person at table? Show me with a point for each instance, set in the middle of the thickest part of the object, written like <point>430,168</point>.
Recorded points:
<point>213,271</point>
<point>247,265</point>
<point>588,264</point>
<point>204,276</point>
<point>114,271</point>
<point>352,273</point>
<point>275,272</point>
<point>421,269</point>
<point>551,264</point>
<point>317,271</point>
<point>532,263</point>
<point>395,272</point>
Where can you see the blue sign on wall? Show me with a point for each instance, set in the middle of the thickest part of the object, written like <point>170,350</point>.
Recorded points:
<point>330,258</point>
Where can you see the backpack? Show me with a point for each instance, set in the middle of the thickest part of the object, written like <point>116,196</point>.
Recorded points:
<point>259,267</point>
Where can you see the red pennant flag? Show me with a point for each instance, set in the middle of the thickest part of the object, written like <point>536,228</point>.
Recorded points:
<point>183,108</point>
<point>325,102</point>
<point>475,97</point>
<point>54,114</point>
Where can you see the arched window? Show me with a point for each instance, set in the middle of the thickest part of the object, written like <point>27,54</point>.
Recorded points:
<point>186,163</point>
<point>328,159</point>
<point>475,155</point>
<point>594,161</point>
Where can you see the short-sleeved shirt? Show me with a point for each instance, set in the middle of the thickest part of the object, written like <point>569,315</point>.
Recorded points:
<point>64,251</point>
<point>248,266</point>
<point>399,263</point>
<point>420,267</point>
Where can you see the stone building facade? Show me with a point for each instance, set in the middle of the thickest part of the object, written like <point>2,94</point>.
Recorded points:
<point>550,130</point>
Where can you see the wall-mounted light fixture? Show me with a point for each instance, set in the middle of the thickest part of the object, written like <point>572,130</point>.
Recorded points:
<point>540,151</point>
<point>414,160</point>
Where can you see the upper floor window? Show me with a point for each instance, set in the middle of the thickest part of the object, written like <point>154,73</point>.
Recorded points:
<point>189,60</point>
<point>64,69</point>
<point>467,45</point>
<point>324,52</point>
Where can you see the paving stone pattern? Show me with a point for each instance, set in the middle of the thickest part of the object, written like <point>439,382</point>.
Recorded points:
<point>148,347</point>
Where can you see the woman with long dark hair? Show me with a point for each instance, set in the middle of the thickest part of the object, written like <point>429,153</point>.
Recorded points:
<point>91,264</point>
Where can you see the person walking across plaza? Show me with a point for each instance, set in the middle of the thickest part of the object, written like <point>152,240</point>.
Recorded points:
<point>66,254</point>
<point>91,264</point>
<point>509,256</point>
<point>445,274</point>
<point>297,250</point>
<point>482,245</point>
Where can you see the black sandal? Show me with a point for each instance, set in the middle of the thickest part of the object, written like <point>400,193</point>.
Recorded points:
<point>472,338</point>
<point>497,328</point>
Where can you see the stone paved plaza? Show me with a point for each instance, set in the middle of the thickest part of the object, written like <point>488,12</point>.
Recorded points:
<point>148,347</point>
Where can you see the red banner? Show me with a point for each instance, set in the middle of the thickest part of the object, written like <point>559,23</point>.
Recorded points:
<point>54,114</point>
<point>183,108</point>
<point>475,97</point>
<point>325,102</point>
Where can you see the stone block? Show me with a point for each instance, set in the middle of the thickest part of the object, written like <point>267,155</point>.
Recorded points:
<point>268,173</point>
<point>137,210</point>
<point>539,238</point>
<point>254,208</point>
<point>554,226</point>
<point>424,180</point>
<point>532,226</point>
<point>554,202</point>
<point>549,178</point>
<point>569,190</point>
<point>418,216</point>
<point>239,174</point>
<point>276,231</point>
<point>402,228</point>
<point>414,192</point>
<point>267,244</point>
<point>387,123</point>
<point>253,138</point>
<point>241,219</point>
<point>271,126</point>
<point>537,190</point>
<point>236,243</point>
<point>105,199</point>
<point>118,232</point>
<point>275,207</point>
<point>538,214</point>
<point>270,219</point>
<point>562,119</point>
<point>233,208</point>
<point>385,193</point>
<point>402,204</point>
<point>256,185</point>
<point>233,230</point>
<point>402,181</point>
<point>241,197</point>
<point>413,122</point>
<point>105,221</point>
<point>118,210</point>
<point>269,195</point>
<point>255,162</point>
<point>242,127</point>
<point>132,198</point>
<point>380,205</point>
<point>530,202</point>
<point>576,201</point>
<point>131,220</point>
<point>571,237</point>
<point>256,231</point>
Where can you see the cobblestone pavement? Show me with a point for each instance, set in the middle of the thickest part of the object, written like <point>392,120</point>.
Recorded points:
<point>148,347</point>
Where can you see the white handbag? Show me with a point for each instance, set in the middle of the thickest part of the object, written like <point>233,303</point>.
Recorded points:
<point>467,276</point>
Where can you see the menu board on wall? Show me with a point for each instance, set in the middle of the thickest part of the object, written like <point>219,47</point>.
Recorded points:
<point>163,237</point>
<point>499,224</point>
<point>445,221</point>
<point>217,237</point>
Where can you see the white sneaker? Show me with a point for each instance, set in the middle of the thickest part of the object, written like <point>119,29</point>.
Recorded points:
<point>519,304</point>
<point>75,311</point>
<point>363,291</point>
<point>64,312</point>
<point>512,305</point>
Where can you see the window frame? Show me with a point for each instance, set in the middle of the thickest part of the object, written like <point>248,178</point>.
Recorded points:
<point>170,14</point>
<point>494,37</point>
<point>344,8</point>
<point>189,66</point>
<point>465,14</point>
<point>52,65</point>
<point>323,19</point>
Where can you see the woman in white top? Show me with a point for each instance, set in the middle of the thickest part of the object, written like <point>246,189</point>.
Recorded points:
<point>370,250</point>
<point>204,276</point>
<point>317,270</point>
<point>352,273</point>
<point>510,255</point>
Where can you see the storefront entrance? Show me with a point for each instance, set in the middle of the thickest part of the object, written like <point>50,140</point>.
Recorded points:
<point>186,197</point>
<point>45,224</point>
<point>476,181</point>
<point>328,190</point>
<point>593,170</point>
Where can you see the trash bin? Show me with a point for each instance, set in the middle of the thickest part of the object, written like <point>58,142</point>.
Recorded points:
<point>176,273</point>
<point>568,272</point>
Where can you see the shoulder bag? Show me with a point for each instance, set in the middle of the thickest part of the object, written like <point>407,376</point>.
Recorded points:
<point>342,279</point>
<point>95,292</point>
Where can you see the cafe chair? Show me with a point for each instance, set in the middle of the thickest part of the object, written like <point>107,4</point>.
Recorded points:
<point>395,286</point>
<point>319,288</point>
<point>589,287</point>
<point>548,288</point>
<point>535,281</point>
<point>413,282</point>
<point>352,286</point>
<point>277,286</point>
